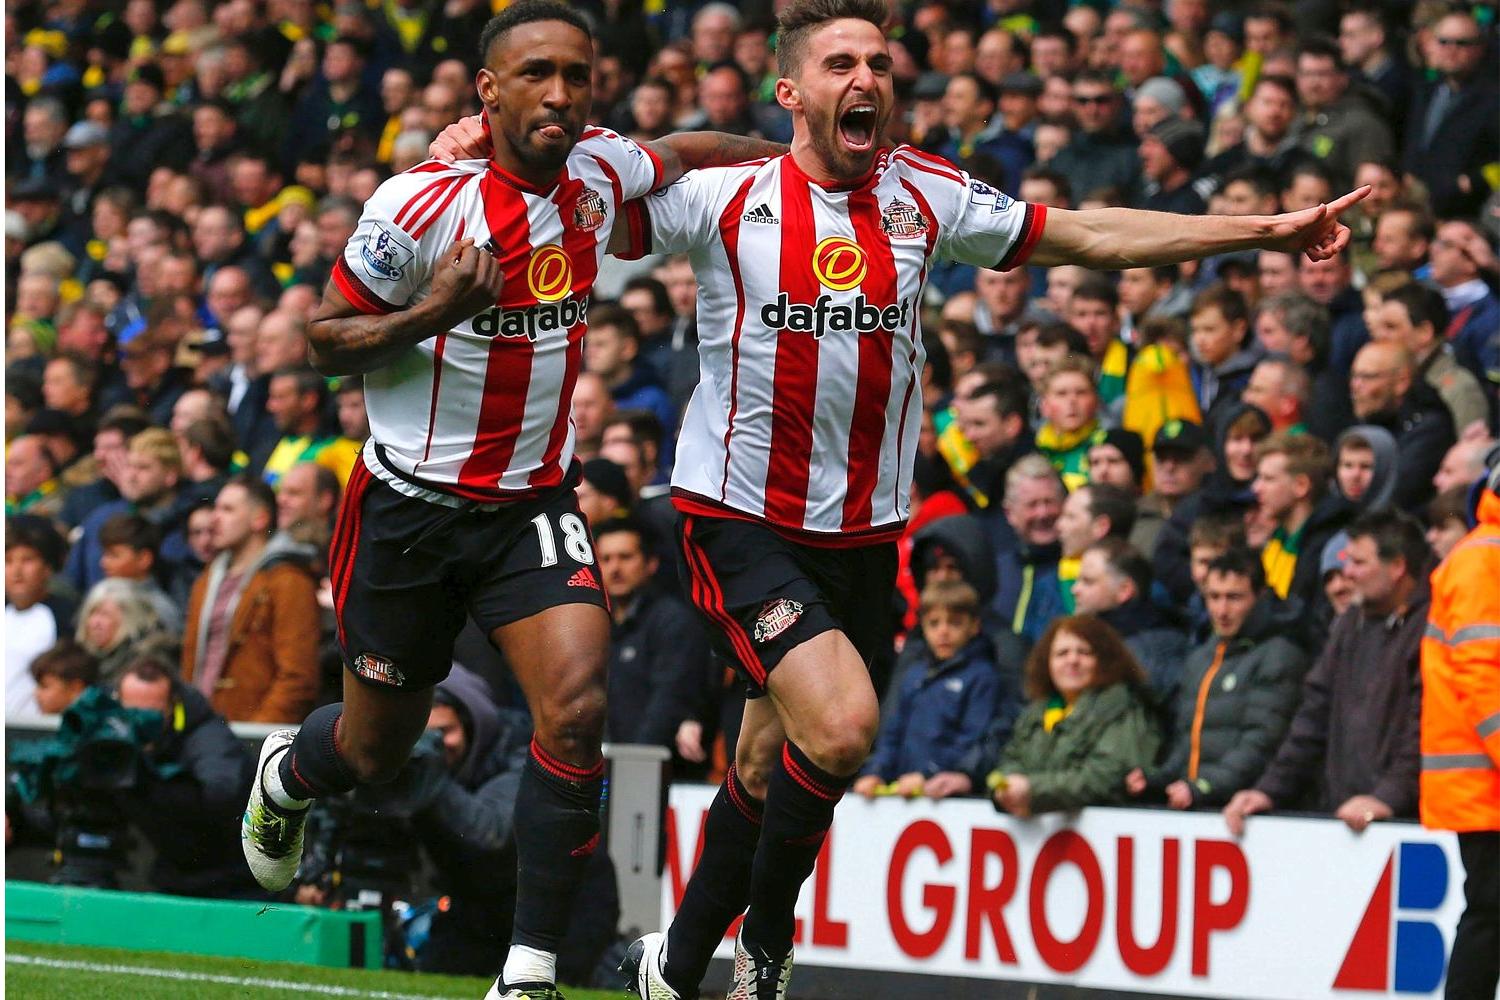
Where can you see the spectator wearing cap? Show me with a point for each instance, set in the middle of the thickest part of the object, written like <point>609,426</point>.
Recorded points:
<point>1342,127</point>
<point>1386,392</point>
<point>1452,126</point>
<point>973,127</point>
<point>603,491</point>
<point>1100,154</point>
<point>86,148</point>
<point>1338,589</point>
<point>149,132</point>
<point>31,478</point>
<point>1117,457</point>
<point>1181,459</point>
<point>1218,77</point>
<point>1170,152</point>
<point>38,203</point>
<point>34,617</point>
<point>1154,101</point>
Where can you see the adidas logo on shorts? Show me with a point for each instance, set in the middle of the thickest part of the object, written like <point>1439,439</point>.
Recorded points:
<point>583,578</point>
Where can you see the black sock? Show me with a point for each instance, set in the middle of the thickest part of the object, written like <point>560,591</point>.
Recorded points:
<point>799,810</point>
<point>313,767</point>
<point>719,889</point>
<point>557,830</point>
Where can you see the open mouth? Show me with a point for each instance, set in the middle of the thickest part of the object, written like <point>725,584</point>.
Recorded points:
<point>857,126</point>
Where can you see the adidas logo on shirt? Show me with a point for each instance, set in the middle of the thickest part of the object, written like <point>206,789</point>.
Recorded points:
<point>761,213</point>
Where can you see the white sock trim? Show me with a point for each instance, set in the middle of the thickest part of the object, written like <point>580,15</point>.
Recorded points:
<point>270,783</point>
<point>529,965</point>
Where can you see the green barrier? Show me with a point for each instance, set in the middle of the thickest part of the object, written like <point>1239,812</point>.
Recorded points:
<point>279,932</point>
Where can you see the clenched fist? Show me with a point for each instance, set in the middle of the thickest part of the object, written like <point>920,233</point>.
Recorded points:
<point>467,281</point>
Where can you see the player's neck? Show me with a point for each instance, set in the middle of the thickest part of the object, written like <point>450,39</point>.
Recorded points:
<point>529,175</point>
<point>816,169</point>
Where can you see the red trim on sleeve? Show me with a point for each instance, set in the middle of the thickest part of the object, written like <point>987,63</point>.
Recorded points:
<point>1031,231</point>
<point>637,218</point>
<point>357,292</point>
<point>655,165</point>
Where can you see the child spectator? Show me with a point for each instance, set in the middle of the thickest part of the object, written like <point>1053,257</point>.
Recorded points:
<point>1222,357</point>
<point>1364,467</point>
<point>611,350</point>
<point>129,543</point>
<point>33,620</point>
<point>1447,521</point>
<point>945,699</point>
<point>1210,537</point>
<point>1239,691</point>
<point>61,674</point>
<point>1070,407</point>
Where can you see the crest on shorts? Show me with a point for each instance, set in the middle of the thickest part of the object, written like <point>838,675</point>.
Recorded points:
<point>384,256</point>
<point>776,617</point>
<point>378,669</point>
<point>902,221</point>
<point>588,211</point>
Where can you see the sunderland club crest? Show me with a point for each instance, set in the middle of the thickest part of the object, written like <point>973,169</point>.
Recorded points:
<point>901,221</point>
<point>588,211</point>
<point>776,617</point>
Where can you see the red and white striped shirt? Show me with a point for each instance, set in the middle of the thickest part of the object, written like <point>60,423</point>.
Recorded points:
<point>482,411</point>
<point>809,404</point>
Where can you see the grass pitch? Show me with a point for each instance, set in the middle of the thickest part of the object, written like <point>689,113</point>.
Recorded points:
<point>61,972</point>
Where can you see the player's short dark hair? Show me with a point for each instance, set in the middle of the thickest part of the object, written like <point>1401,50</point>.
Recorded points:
<point>529,12</point>
<point>798,19</point>
<point>1241,561</point>
<point>1397,535</point>
<point>1230,303</point>
<point>1114,503</point>
<point>131,530</point>
<point>1125,560</point>
<point>1097,288</point>
<point>628,523</point>
<point>1422,305</point>
<point>67,661</point>
<point>609,314</point>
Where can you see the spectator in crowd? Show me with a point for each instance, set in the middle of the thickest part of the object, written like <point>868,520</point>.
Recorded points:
<point>1223,354</point>
<point>1146,292</point>
<point>612,351</point>
<point>1385,393</point>
<point>1292,472</point>
<point>31,478</point>
<point>972,125</point>
<point>1027,594</point>
<point>1340,125</point>
<point>1292,324</point>
<point>992,421</point>
<point>1331,283</point>
<point>1181,459</point>
<point>1452,130</point>
<point>1280,389</point>
<point>604,492</point>
<point>592,406</point>
<point>117,623</point>
<point>1088,723</point>
<point>1364,467</point>
<point>945,698</point>
<point>34,618</point>
<point>1415,316</point>
<point>1373,62</point>
<point>1114,583</point>
<point>1463,465</point>
<point>1239,691</point>
<point>110,458</point>
<point>250,645</point>
<point>659,661</point>
<point>1473,307</point>
<point>189,792</point>
<point>1169,152</point>
<point>1352,748</point>
<point>349,404</point>
<point>1237,428</point>
<point>1101,154</point>
<point>306,499</point>
<point>61,674</point>
<point>1117,458</point>
<point>1090,513</point>
<point>68,385</point>
<point>298,399</point>
<point>1403,238</point>
<point>153,467</point>
<point>130,543</point>
<point>1070,406</point>
<point>1447,521</point>
<point>1093,310</point>
<point>1267,142</point>
<point>152,381</point>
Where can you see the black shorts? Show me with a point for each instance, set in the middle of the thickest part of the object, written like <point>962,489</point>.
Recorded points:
<point>406,573</point>
<point>764,595</point>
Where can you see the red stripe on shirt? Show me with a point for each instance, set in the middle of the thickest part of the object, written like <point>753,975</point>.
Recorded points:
<point>872,392</point>
<point>357,293</point>
<point>507,377</point>
<point>453,190</point>
<point>1032,225</point>
<point>437,383</point>
<point>926,209</point>
<point>795,380</point>
<point>729,230</point>
<point>936,164</point>
<point>425,196</point>
<point>581,246</point>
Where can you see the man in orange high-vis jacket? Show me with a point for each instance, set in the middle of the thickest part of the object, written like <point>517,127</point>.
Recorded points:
<point>1461,738</point>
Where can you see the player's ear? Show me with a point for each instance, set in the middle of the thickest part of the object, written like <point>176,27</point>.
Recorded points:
<point>787,94</point>
<point>488,86</point>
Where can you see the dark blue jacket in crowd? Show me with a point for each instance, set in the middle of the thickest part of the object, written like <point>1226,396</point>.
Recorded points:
<point>941,711</point>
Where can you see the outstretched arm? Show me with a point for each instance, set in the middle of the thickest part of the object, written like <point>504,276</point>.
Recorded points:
<point>683,151</point>
<point>1115,238</point>
<point>345,340</point>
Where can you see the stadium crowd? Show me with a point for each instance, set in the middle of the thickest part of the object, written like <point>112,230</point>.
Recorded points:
<point>1171,531</point>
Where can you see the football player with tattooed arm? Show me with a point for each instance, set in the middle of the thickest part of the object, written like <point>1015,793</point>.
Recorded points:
<point>462,298</point>
<point>795,460</point>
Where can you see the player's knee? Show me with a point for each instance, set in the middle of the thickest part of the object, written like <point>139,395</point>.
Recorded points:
<point>571,721</point>
<point>373,764</point>
<point>840,744</point>
<point>753,764</point>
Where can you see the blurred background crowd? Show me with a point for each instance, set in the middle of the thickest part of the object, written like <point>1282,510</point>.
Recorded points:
<point>1172,527</point>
